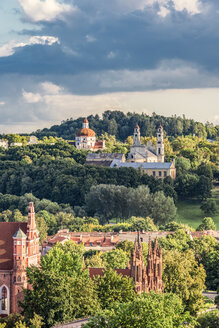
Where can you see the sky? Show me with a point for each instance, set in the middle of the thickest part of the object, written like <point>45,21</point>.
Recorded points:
<point>63,59</point>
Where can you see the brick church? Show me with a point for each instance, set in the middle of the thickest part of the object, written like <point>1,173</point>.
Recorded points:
<point>19,248</point>
<point>146,278</point>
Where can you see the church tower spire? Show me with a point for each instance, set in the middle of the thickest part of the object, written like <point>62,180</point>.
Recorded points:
<point>85,124</point>
<point>33,252</point>
<point>31,223</point>
<point>137,136</point>
<point>160,145</point>
<point>138,270</point>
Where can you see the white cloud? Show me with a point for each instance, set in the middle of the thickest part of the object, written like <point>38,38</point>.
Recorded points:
<point>191,6</point>
<point>8,49</point>
<point>31,98</point>
<point>48,10</point>
<point>191,102</point>
<point>163,12</point>
<point>50,88</point>
<point>2,103</point>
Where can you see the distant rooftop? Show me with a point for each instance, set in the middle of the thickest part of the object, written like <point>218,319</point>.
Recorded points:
<point>146,166</point>
<point>104,156</point>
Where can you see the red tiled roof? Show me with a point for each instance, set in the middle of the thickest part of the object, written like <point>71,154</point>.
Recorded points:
<point>98,144</point>
<point>95,272</point>
<point>56,239</point>
<point>85,132</point>
<point>99,272</point>
<point>7,230</point>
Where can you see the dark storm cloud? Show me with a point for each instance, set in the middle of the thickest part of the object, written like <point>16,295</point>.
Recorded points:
<point>98,38</point>
<point>109,46</point>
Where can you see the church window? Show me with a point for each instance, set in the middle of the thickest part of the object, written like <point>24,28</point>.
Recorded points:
<point>4,299</point>
<point>159,151</point>
<point>154,174</point>
<point>165,173</point>
<point>14,279</point>
<point>160,174</point>
<point>159,135</point>
<point>19,242</point>
<point>19,279</point>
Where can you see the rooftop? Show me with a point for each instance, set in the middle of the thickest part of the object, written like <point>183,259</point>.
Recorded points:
<point>145,166</point>
<point>7,231</point>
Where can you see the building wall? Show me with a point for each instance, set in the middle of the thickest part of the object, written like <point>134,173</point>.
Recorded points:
<point>6,280</point>
<point>161,173</point>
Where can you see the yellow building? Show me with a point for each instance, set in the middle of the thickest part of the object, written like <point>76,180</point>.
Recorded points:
<point>156,169</point>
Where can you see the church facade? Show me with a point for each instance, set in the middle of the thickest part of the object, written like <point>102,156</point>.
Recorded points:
<point>86,138</point>
<point>147,154</point>
<point>19,248</point>
<point>148,159</point>
<point>145,277</point>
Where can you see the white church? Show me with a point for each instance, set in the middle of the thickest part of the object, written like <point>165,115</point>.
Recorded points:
<point>147,154</point>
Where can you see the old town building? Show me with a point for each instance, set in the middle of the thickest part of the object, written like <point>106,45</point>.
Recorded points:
<point>19,248</point>
<point>146,277</point>
<point>86,138</point>
<point>104,241</point>
<point>147,159</point>
<point>140,153</point>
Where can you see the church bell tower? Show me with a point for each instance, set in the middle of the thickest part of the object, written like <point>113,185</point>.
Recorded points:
<point>160,145</point>
<point>137,136</point>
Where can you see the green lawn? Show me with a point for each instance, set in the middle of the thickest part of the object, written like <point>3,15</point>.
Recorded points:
<point>189,211</point>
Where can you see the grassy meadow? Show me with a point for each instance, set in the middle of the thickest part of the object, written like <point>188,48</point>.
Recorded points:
<point>188,211</point>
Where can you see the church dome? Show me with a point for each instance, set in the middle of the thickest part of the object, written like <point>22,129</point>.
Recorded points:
<point>85,132</point>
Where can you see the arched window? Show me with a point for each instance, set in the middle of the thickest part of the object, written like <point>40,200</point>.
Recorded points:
<point>4,298</point>
<point>19,279</point>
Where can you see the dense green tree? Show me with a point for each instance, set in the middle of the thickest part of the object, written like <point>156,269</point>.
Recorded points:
<point>207,224</point>
<point>186,185</point>
<point>163,209</point>
<point>147,310</point>
<point>208,206</point>
<point>140,224</point>
<point>42,228</point>
<point>66,259</point>
<point>206,170</point>
<point>112,287</point>
<point>210,262</point>
<point>209,320</point>
<point>126,245</point>
<point>58,299</point>
<point>204,186</point>
<point>36,322</point>
<point>110,201</point>
<point>115,259</point>
<point>183,165</point>
<point>95,261</point>
<point>182,275</point>
<point>179,240</point>
<point>59,286</point>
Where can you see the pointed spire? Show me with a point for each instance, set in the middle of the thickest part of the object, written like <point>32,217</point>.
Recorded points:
<point>149,246</point>
<point>85,124</point>
<point>31,223</point>
<point>139,239</point>
<point>156,246</point>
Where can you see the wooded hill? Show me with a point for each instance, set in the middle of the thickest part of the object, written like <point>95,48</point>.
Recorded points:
<point>121,125</point>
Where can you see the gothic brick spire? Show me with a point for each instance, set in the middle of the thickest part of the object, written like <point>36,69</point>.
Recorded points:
<point>31,224</point>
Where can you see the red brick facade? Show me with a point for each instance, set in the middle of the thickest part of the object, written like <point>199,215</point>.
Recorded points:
<point>19,248</point>
<point>146,278</point>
